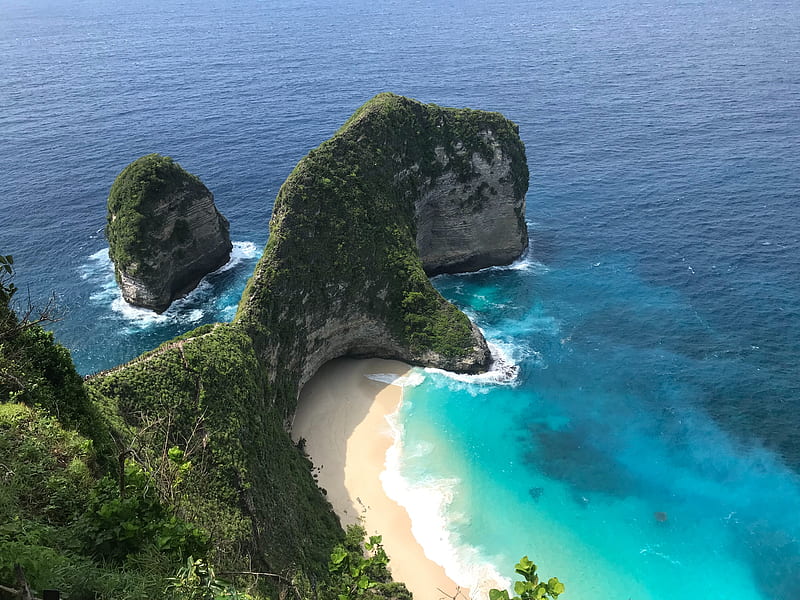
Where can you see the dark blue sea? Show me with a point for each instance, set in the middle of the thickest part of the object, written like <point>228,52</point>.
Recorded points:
<point>648,447</point>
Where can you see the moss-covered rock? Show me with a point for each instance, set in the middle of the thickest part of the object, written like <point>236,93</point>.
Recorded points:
<point>341,275</point>
<point>164,231</point>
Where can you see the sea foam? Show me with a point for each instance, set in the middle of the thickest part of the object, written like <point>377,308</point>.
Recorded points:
<point>241,251</point>
<point>413,379</point>
<point>427,503</point>
<point>192,308</point>
<point>503,370</point>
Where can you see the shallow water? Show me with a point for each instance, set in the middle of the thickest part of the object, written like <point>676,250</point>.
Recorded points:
<point>570,461</point>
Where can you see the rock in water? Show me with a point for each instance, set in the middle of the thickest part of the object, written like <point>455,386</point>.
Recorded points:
<point>164,232</point>
<point>401,191</point>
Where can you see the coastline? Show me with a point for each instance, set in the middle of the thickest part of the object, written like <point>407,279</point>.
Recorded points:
<point>342,415</point>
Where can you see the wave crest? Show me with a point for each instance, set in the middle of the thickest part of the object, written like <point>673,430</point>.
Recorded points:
<point>427,503</point>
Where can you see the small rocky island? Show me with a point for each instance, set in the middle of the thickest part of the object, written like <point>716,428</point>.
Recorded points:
<point>164,232</point>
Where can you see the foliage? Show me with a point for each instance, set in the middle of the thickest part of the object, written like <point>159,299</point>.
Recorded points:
<point>52,564</point>
<point>134,194</point>
<point>47,473</point>
<point>196,580</point>
<point>38,372</point>
<point>207,398</point>
<point>46,470</point>
<point>358,569</point>
<point>115,527</point>
<point>530,588</point>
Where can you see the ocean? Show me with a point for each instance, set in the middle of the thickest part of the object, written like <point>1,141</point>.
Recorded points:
<point>646,446</point>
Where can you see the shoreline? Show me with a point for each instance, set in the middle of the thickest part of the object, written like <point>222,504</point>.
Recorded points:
<point>343,417</point>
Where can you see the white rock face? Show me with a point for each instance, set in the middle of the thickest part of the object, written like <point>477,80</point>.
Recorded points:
<point>473,224</point>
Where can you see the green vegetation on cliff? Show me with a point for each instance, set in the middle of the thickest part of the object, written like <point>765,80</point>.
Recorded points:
<point>184,451</point>
<point>248,486</point>
<point>136,191</point>
<point>344,218</point>
<point>61,516</point>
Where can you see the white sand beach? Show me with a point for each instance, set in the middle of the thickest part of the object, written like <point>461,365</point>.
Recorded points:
<point>343,417</point>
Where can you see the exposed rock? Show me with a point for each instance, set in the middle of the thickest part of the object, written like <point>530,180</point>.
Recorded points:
<point>469,223</point>
<point>164,232</point>
<point>402,189</point>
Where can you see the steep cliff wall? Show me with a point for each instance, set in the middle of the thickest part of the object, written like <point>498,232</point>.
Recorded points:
<point>470,220</point>
<point>341,275</point>
<point>164,232</point>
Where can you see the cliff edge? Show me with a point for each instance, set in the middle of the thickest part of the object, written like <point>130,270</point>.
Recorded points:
<point>402,190</point>
<point>164,232</point>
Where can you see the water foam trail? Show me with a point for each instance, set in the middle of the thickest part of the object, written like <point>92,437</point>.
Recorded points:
<point>525,262</point>
<point>503,370</point>
<point>427,503</point>
<point>187,310</point>
<point>413,379</point>
<point>241,251</point>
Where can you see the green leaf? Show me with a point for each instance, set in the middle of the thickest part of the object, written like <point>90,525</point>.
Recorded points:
<point>175,454</point>
<point>498,595</point>
<point>338,555</point>
<point>525,567</point>
<point>555,586</point>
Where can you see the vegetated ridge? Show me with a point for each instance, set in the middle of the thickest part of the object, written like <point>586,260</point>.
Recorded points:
<point>199,425</point>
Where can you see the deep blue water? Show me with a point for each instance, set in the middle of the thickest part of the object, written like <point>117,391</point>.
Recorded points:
<point>656,324</point>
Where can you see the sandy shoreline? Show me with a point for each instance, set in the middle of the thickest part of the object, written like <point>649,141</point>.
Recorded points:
<point>342,416</point>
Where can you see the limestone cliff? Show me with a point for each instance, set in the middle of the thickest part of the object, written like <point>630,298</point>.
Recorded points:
<point>468,220</point>
<point>341,275</point>
<point>401,189</point>
<point>164,232</point>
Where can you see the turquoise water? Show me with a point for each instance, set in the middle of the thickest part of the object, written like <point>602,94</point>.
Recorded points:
<point>569,460</point>
<point>655,324</point>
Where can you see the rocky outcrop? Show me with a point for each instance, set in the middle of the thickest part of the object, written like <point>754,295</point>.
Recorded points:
<point>402,190</point>
<point>469,223</point>
<point>165,233</point>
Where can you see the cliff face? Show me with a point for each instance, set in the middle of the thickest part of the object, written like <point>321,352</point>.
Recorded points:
<point>341,275</point>
<point>468,223</point>
<point>164,231</point>
<point>401,189</point>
